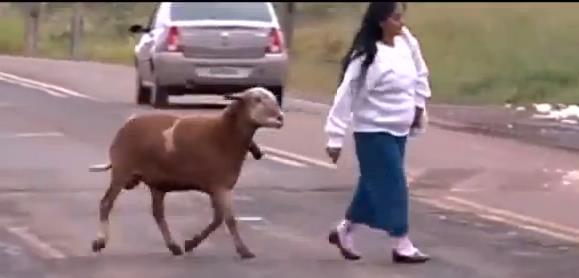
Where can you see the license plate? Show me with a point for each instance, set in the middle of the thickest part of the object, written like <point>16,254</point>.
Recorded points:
<point>224,71</point>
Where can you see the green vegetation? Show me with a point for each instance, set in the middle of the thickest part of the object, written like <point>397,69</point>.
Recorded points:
<point>477,52</point>
<point>11,33</point>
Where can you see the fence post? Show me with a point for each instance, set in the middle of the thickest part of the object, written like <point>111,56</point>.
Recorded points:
<point>76,31</point>
<point>289,23</point>
<point>32,14</point>
<point>287,10</point>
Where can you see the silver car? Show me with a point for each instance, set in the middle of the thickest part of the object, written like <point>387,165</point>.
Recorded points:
<point>209,48</point>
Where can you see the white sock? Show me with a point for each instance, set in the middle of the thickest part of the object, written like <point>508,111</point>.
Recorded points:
<point>404,246</point>
<point>346,226</point>
<point>345,229</point>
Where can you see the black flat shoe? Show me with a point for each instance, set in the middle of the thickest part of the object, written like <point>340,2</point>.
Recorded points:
<point>334,239</point>
<point>416,258</point>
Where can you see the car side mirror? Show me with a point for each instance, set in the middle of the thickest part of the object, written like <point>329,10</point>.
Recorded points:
<point>135,29</point>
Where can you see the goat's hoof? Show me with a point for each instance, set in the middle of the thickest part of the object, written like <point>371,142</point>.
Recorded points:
<point>175,249</point>
<point>246,254</point>
<point>191,244</point>
<point>98,245</point>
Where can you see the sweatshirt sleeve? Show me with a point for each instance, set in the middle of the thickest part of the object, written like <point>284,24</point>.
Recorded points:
<point>423,91</point>
<point>340,113</point>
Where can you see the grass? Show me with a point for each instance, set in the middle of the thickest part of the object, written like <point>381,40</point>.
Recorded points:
<point>478,53</point>
<point>11,27</point>
<point>489,53</point>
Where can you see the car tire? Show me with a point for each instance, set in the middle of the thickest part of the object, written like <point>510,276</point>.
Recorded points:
<point>278,92</point>
<point>160,96</point>
<point>143,93</point>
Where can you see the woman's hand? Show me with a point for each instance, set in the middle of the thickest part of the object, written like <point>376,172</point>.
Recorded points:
<point>333,153</point>
<point>417,123</point>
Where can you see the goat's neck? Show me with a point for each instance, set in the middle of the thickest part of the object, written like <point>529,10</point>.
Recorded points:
<point>238,122</point>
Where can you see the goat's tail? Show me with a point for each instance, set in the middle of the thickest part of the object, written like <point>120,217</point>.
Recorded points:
<point>100,167</point>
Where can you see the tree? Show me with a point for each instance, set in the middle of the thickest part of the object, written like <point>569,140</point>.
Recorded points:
<point>32,12</point>
<point>76,31</point>
<point>287,15</point>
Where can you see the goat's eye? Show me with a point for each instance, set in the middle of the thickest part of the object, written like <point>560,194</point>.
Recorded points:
<point>259,100</point>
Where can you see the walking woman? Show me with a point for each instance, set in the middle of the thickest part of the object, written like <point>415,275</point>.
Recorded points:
<point>382,92</point>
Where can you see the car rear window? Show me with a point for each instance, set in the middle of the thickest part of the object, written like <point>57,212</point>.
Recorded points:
<point>251,11</point>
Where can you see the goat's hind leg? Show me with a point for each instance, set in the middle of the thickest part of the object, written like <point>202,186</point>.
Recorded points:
<point>191,244</point>
<point>106,205</point>
<point>158,206</point>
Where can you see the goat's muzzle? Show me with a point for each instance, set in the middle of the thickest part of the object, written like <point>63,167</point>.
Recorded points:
<point>274,121</point>
<point>279,121</point>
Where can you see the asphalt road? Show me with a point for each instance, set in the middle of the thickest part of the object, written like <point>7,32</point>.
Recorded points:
<point>482,207</point>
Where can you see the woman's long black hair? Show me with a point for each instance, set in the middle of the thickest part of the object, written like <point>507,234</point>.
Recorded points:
<point>364,43</point>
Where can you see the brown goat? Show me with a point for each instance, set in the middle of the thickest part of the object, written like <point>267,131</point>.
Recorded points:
<point>200,153</point>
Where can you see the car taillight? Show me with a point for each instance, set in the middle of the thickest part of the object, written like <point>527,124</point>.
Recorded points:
<point>275,41</point>
<point>173,39</point>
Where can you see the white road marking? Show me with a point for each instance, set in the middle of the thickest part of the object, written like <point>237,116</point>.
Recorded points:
<point>48,91</point>
<point>550,233</point>
<point>515,216</point>
<point>298,157</point>
<point>63,92</point>
<point>530,227</point>
<point>34,241</point>
<point>505,217</point>
<point>239,197</point>
<point>98,167</point>
<point>46,86</point>
<point>493,218</point>
<point>438,204</point>
<point>31,135</point>
<point>455,189</point>
<point>250,218</point>
<point>284,161</point>
<point>10,249</point>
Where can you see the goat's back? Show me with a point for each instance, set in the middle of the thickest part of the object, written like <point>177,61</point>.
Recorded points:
<point>138,138</point>
<point>165,149</point>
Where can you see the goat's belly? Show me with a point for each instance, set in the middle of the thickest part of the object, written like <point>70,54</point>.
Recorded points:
<point>169,180</point>
<point>170,187</point>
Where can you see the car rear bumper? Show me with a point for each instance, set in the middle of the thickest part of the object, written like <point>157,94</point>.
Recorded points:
<point>175,70</point>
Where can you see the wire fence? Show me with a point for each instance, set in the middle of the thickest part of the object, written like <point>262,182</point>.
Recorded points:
<point>322,33</point>
<point>81,30</point>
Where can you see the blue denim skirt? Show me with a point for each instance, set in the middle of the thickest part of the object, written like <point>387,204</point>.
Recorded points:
<point>381,197</point>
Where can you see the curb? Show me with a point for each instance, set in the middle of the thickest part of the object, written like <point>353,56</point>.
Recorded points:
<point>517,132</point>
<point>522,131</point>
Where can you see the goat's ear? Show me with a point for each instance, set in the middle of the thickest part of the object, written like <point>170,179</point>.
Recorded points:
<point>234,96</point>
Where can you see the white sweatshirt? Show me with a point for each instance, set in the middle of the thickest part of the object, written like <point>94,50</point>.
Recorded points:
<point>395,83</point>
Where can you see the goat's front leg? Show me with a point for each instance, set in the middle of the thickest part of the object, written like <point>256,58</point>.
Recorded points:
<point>255,150</point>
<point>227,202</point>
<point>191,244</point>
<point>158,206</point>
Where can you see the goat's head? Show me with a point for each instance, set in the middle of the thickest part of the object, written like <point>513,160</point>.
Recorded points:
<point>260,106</point>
